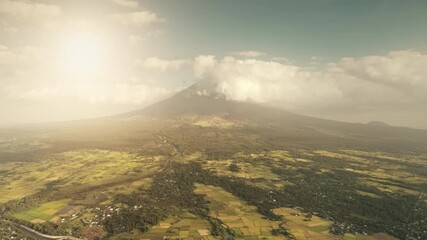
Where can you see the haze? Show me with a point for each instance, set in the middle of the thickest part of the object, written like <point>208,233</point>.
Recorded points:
<point>355,61</point>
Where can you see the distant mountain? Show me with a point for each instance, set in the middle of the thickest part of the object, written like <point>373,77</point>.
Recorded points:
<point>276,122</point>
<point>378,123</point>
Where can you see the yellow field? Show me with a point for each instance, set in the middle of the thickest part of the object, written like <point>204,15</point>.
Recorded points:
<point>186,226</point>
<point>237,215</point>
<point>249,224</point>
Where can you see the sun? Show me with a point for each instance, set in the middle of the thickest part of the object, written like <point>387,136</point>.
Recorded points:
<point>82,53</point>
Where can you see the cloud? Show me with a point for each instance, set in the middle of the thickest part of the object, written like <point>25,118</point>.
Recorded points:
<point>260,81</point>
<point>42,93</point>
<point>398,78</point>
<point>9,30</point>
<point>127,3</point>
<point>20,10</point>
<point>315,60</point>
<point>155,63</point>
<point>14,62</point>
<point>137,18</point>
<point>120,94</point>
<point>137,94</point>
<point>249,54</point>
<point>398,69</point>
<point>113,93</point>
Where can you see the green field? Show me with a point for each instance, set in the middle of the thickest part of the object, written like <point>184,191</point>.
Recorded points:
<point>44,212</point>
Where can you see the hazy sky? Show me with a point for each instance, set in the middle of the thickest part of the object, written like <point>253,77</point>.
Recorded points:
<point>355,61</point>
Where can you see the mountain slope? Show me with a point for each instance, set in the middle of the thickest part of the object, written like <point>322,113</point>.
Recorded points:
<point>190,102</point>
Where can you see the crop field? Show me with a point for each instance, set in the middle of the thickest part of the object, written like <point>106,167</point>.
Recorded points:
<point>44,212</point>
<point>184,226</point>
<point>247,223</point>
<point>382,170</point>
<point>152,180</point>
<point>100,166</point>
<point>313,227</point>
<point>247,169</point>
<point>16,145</point>
<point>376,169</point>
<point>244,219</point>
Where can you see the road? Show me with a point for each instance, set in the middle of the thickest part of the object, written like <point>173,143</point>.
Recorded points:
<point>31,233</point>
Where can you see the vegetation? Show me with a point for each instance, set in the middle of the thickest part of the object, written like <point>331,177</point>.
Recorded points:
<point>234,167</point>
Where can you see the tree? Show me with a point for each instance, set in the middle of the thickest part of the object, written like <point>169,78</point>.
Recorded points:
<point>234,167</point>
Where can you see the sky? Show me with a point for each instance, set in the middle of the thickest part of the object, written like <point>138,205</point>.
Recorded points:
<point>348,60</point>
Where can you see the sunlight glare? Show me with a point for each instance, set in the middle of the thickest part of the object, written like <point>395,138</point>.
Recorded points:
<point>83,53</point>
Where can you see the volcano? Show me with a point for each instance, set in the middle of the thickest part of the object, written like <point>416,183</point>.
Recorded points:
<point>192,105</point>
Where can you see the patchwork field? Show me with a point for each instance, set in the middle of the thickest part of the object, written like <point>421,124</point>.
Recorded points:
<point>45,212</point>
<point>100,166</point>
<point>242,218</point>
<point>135,183</point>
<point>304,226</point>
<point>184,226</point>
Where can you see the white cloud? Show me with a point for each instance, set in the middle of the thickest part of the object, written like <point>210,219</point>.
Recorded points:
<point>9,30</point>
<point>42,93</point>
<point>137,94</point>
<point>398,69</point>
<point>137,18</point>
<point>127,3</point>
<point>282,60</point>
<point>121,94</point>
<point>249,54</point>
<point>15,61</point>
<point>155,63</point>
<point>315,60</point>
<point>398,78</point>
<point>21,10</point>
<point>259,81</point>
<point>112,93</point>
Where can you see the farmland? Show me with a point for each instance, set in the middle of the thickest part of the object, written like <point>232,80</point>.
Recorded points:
<point>208,181</point>
<point>44,212</point>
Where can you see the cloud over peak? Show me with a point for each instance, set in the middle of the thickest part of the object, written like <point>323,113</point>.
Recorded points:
<point>397,78</point>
